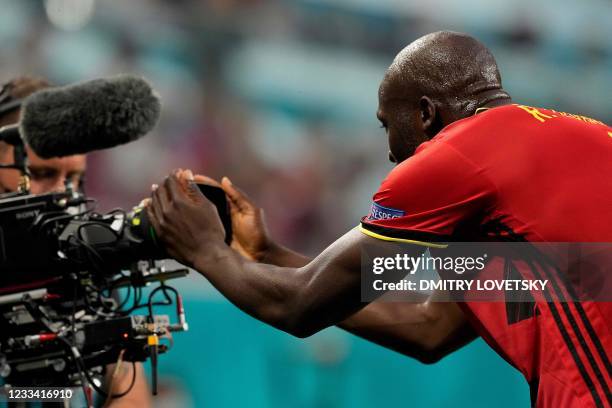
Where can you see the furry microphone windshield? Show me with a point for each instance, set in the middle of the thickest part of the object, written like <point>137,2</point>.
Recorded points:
<point>90,115</point>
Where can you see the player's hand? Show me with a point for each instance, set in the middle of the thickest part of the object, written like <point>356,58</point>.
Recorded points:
<point>184,220</point>
<point>249,233</point>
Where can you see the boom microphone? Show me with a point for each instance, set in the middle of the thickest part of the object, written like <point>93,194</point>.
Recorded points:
<point>90,115</point>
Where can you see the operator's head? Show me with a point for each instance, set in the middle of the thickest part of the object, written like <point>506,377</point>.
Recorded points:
<point>438,79</point>
<point>48,175</point>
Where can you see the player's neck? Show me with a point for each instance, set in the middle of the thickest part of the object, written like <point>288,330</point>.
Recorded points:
<point>493,98</point>
<point>497,102</point>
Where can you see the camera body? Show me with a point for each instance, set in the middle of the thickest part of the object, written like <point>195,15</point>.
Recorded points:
<point>61,267</point>
<point>52,233</point>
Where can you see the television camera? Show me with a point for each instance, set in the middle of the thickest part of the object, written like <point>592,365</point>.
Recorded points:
<point>72,280</point>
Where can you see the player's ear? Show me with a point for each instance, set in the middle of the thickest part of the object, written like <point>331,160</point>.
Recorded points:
<point>428,115</point>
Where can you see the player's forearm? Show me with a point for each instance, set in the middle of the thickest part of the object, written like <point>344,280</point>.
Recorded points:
<point>267,292</point>
<point>422,330</point>
<point>300,301</point>
<point>282,256</point>
<point>405,328</point>
<point>408,328</point>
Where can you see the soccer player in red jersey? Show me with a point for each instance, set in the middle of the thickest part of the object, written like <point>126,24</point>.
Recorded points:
<point>471,166</point>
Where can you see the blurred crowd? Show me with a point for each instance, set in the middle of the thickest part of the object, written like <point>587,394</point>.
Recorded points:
<point>281,95</point>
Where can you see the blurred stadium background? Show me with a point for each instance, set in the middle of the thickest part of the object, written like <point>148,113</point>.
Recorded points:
<point>281,97</point>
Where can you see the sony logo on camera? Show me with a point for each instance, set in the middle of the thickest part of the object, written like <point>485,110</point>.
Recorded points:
<point>27,214</point>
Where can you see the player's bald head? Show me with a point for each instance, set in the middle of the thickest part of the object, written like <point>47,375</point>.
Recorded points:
<point>447,66</point>
<point>438,79</point>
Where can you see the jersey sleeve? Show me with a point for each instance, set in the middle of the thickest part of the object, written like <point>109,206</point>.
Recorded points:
<point>425,198</point>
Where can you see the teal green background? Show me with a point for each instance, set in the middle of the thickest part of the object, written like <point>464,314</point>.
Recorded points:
<point>228,359</point>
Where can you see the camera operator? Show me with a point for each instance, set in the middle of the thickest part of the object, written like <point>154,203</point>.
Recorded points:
<point>49,175</point>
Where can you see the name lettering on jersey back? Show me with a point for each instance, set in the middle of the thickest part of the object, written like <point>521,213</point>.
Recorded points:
<point>542,117</point>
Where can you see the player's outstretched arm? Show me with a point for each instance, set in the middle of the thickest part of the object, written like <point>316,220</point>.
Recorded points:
<point>300,301</point>
<point>426,330</point>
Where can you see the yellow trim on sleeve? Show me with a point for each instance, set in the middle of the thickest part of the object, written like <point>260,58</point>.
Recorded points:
<point>407,241</point>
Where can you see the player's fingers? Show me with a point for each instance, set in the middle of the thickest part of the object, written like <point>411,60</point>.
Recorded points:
<point>201,179</point>
<point>159,198</point>
<point>182,187</point>
<point>237,197</point>
<point>145,202</point>
<point>185,174</point>
<point>175,185</point>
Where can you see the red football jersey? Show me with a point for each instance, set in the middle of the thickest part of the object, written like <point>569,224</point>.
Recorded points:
<point>528,172</point>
